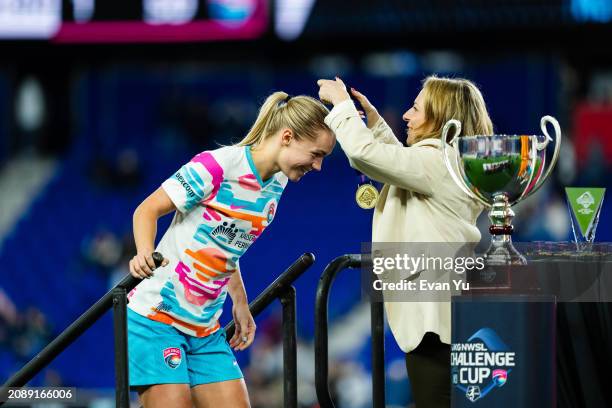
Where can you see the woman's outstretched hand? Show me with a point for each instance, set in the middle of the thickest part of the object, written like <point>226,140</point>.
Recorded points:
<point>369,110</point>
<point>332,91</point>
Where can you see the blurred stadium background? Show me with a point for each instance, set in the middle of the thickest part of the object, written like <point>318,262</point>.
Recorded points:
<point>100,101</point>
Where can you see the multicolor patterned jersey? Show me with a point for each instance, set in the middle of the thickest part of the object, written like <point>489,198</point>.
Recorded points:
<point>223,207</point>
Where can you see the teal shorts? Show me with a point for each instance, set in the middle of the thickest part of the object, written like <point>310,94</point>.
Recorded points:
<point>161,354</point>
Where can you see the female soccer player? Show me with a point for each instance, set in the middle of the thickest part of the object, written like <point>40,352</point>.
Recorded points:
<point>223,200</point>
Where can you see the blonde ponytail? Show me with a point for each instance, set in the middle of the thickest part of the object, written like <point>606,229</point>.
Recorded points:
<point>302,114</point>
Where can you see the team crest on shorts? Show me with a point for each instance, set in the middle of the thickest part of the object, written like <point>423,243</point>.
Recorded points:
<point>172,357</point>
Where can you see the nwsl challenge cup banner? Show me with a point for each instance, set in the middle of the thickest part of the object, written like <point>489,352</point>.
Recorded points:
<point>481,364</point>
<point>503,352</point>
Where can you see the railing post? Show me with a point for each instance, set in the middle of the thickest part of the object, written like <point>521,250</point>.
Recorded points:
<point>122,388</point>
<point>377,319</point>
<point>321,321</point>
<point>283,290</point>
<point>287,299</point>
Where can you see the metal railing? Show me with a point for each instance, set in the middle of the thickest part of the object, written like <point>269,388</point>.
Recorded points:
<point>116,298</point>
<point>321,335</point>
<point>282,289</point>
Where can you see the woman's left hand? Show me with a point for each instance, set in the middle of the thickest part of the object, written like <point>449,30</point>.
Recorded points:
<point>245,327</point>
<point>332,91</point>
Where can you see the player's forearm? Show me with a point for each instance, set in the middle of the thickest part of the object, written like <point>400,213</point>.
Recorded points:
<point>145,230</point>
<point>236,288</point>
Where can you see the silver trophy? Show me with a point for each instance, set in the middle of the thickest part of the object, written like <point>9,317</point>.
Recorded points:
<point>499,171</point>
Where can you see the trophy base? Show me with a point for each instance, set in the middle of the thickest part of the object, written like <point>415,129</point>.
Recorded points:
<point>502,252</point>
<point>584,246</point>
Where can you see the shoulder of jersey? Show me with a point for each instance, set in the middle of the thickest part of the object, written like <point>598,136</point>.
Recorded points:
<point>228,157</point>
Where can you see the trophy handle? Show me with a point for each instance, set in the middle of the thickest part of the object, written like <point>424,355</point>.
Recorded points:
<point>541,146</point>
<point>454,123</point>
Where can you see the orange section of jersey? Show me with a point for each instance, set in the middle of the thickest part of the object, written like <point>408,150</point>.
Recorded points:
<point>214,259</point>
<point>202,278</point>
<point>204,274</point>
<point>210,264</point>
<point>256,221</point>
<point>167,319</point>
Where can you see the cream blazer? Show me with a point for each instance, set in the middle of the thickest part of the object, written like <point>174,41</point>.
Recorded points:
<point>418,203</point>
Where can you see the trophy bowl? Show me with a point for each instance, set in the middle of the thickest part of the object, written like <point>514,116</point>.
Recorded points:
<point>499,171</point>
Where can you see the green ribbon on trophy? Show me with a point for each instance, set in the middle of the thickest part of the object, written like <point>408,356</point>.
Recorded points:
<point>584,206</point>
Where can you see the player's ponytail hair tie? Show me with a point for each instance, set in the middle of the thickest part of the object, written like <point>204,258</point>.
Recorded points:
<point>284,102</point>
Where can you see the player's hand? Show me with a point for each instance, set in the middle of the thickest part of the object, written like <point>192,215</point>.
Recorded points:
<point>368,109</point>
<point>142,266</point>
<point>332,91</point>
<point>245,327</point>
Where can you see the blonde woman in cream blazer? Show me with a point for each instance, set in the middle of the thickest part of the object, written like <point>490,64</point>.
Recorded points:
<point>418,203</point>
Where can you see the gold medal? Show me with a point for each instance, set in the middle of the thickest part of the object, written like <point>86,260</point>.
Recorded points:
<point>366,196</point>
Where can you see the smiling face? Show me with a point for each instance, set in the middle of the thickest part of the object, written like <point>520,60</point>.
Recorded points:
<point>298,157</point>
<point>416,121</point>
